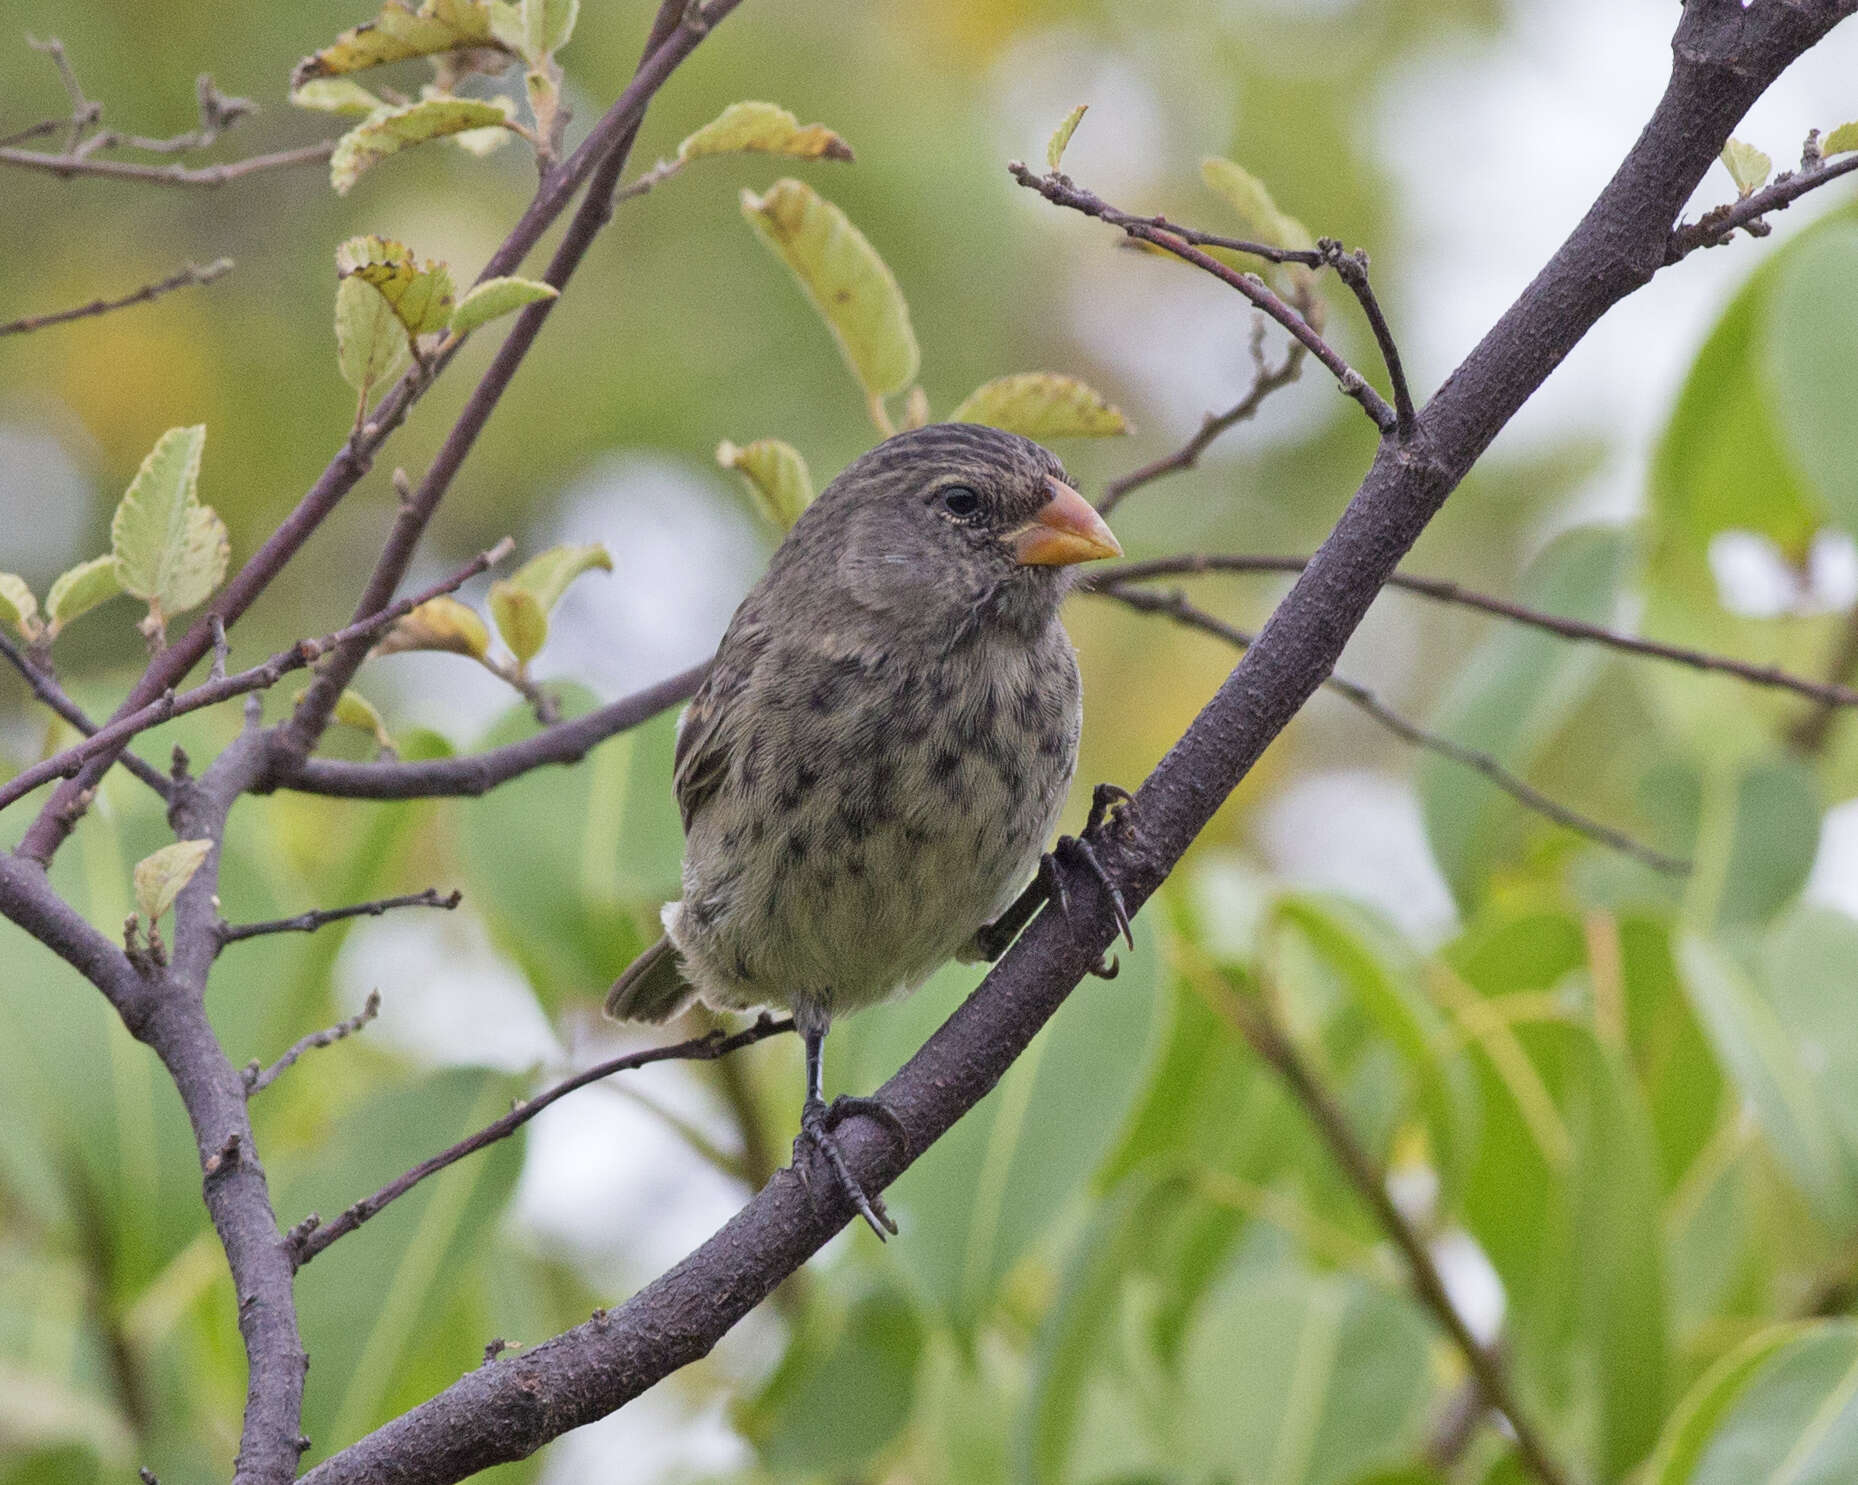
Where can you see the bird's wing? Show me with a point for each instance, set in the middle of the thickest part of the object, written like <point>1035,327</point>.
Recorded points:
<point>708,735</point>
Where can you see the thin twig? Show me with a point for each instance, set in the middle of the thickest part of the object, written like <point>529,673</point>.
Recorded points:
<point>1251,1016</point>
<point>67,165</point>
<point>256,1081</point>
<point>232,933</point>
<point>1265,380</point>
<point>191,275</point>
<point>1352,269</point>
<point>1828,693</point>
<point>46,688</point>
<point>1175,605</point>
<point>259,677</point>
<point>1716,228</point>
<point>310,1237</point>
<point>1062,191</point>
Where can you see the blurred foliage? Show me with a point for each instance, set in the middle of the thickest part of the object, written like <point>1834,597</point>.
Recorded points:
<point>1622,1112</point>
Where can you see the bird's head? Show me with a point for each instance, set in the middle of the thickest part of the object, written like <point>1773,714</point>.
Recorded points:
<point>952,525</point>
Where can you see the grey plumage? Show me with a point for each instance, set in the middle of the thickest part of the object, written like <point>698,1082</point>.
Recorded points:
<point>872,768</point>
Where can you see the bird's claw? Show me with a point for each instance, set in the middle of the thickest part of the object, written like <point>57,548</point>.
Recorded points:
<point>1110,804</point>
<point>1078,847</point>
<point>817,1121</point>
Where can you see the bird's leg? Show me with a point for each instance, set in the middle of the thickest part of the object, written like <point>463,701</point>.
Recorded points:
<point>1109,805</point>
<point>818,1119</point>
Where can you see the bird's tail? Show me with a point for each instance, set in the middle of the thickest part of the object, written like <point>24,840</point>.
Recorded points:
<point>652,987</point>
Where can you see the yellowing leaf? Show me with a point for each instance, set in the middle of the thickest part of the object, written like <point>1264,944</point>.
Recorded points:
<point>1061,136</point>
<point>19,610</point>
<point>1840,140</point>
<point>420,294</point>
<point>388,131</point>
<point>546,576</point>
<point>776,477</point>
<point>1246,195</point>
<point>1748,167</point>
<point>159,878</point>
<point>521,621</point>
<point>82,588</point>
<point>370,341</point>
<point>336,95</point>
<point>1041,404</point>
<point>352,709</point>
<point>763,128</point>
<point>441,623</point>
<point>850,285</point>
<point>534,28</point>
<point>916,408</point>
<point>168,549</point>
<point>497,296</point>
<point>397,33</point>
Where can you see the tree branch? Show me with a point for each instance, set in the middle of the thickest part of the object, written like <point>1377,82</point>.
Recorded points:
<point>117,733</point>
<point>1175,605</point>
<point>1828,693</point>
<point>188,277</point>
<point>257,1081</point>
<point>45,686</point>
<point>310,1236</point>
<point>67,165</point>
<point>1716,228</point>
<point>232,933</point>
<point>1724,57</point>
<point>478,773</point>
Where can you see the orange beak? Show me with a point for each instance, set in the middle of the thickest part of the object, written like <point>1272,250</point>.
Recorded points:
<point>1065,530</point>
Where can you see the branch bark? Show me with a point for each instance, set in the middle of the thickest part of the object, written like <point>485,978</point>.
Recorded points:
<point>1724,57</point>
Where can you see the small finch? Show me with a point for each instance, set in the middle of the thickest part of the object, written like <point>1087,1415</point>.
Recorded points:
<point>870,772</point>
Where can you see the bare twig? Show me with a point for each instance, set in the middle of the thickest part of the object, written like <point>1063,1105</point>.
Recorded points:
<point>46,688</point>
<point>1829,693</point>
<point>1266,379</point>
<point>256,1081</point>
<point>232,933</point>
<point>1176,606</point>
<point>1352,269</point>
<point>67,165</point>
<point>1062,191</point>
<point>189,276</point>
<point>1252,1018</point>
<point>309,1238</point>
<point>173,704</point>
<point>1716,228</point>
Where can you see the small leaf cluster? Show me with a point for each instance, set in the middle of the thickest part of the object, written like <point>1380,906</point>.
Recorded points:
<point>166,548</point>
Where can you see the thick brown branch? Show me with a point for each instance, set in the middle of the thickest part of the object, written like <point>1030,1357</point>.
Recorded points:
<point>188,277</point>
<point>311,1236</point>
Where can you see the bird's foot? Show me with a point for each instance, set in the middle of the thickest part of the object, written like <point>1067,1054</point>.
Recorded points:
<point>1110,809</point>
<point>818,1119</point>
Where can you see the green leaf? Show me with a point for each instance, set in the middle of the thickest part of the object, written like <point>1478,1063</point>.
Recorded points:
<point>497,296</point>
<point>169,550</point>
<point>370,342</point>
<point>546,575</point>
<point>19,610</point>
<point>1756,1053</point>
<point>441,623</point>
<point>1693,1423</point>
<point>352,709</point>
<point>837,1399</point>
<point>1061,136</point>
<point>1300,1381</point>
<point>763,128</point>
<point>80,589</point>
<point>400,32</point>
<point>850,285</point>
<point>336,95</point>
<point>1748,167</point>
<point>535,29</point>
<point>1812,383</point>
<point>160,877</point>
<point>420,294</point>
<point>1258,213</point>
<point>776,477</point>
<point>1511,698</point>
<point>1793,1418</point>
<point>521,620</point>
<point>1840,141</point>
<point>384,133</point>
<point>1806,969</point>
<point>1041,404</point>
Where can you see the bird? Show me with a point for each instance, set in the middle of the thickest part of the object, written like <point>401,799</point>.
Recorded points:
<point>880,751</point>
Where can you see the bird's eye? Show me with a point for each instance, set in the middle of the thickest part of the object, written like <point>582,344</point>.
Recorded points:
<point>960,502</point>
